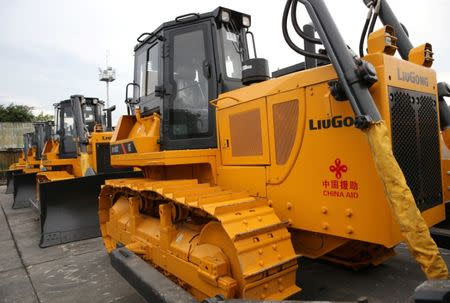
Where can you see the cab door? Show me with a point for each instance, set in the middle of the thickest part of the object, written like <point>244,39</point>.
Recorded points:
<point>67,132</point>
<point>189,84</point>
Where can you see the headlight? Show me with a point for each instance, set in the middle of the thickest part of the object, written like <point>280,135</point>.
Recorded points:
<point>388,40</point>
<point>225,16</point>
<point>246,21</point>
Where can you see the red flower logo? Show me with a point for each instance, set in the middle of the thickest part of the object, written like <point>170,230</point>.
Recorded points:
<point>338,168</point>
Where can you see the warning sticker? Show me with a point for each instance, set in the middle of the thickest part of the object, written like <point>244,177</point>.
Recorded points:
<point>232,37</point>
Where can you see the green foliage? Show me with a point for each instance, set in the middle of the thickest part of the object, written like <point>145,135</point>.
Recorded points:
<point>21,113</point>
<point>16,113</point>
<point>42,117</point>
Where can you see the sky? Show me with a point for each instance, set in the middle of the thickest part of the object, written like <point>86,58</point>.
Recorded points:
<point>51,49</point>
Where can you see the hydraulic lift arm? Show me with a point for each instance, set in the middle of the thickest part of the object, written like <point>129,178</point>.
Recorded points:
<point>83,136</point>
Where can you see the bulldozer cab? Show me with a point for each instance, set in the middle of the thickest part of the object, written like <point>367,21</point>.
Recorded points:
<point>66,129</point>
<point>183,65</point>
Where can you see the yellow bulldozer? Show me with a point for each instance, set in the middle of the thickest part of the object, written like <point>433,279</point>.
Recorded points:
<point>74,163</point>
<point>30,158</point>
<point>17,167</point>
<point>335,158</point>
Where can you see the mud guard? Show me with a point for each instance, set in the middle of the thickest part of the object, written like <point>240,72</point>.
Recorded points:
<point>10,180</point>
<point>24,190</point>
<point>69,208</point>
<point>441,231</point>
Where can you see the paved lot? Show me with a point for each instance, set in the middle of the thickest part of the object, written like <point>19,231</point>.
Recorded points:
<point>75,272</point>
<point>393,281</point>
<point>81,272</point>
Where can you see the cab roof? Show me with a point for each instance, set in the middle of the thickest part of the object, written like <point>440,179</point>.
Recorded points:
<point>190,18</point>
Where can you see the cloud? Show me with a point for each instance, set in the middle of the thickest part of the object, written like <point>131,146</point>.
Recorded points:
<point>52,49</point>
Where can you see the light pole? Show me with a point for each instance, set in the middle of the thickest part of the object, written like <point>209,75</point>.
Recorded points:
<point>107,75</point>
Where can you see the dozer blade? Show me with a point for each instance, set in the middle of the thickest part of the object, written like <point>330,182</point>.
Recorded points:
<point>441,231</point>
<point>10,180</point>
<point>24,190</point>
<point>69,208</point>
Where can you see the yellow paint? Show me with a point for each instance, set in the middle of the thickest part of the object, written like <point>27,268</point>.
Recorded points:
<point>20,164</point>
<point>422,55</point>
<point>382,41</point>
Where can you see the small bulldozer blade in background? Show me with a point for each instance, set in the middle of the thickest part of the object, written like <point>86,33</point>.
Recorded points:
<point>24,190</point>
<point>69,208</point>
<point>10,180</point>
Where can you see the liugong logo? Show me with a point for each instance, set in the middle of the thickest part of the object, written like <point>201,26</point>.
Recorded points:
<point>411,77</point>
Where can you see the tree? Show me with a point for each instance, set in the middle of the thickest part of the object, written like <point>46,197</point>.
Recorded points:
<point>16,113</point>
<point>42,117</point>
<point>21,113</point>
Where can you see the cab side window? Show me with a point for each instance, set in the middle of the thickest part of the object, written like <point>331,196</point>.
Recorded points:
<point>152,68</point>
<point>141,62</point>
<point>147,69</point>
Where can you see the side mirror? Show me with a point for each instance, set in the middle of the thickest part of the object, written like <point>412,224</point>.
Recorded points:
<point>110,109</point>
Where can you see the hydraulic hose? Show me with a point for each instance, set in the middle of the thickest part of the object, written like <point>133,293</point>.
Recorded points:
<point>297,28</point>
<point>364,33</point>
<point>376,13</point>
<point>288,38</point>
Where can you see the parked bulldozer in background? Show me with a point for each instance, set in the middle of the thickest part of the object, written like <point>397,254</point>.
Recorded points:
<point>16,168</point>
<point>335,158</point>
<point>74,165</point>
<point>58,156</point>
<point>29,162</point>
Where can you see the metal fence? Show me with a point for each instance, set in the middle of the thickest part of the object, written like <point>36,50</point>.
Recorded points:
<point>11,143</point>
<point>7,158</point>
<point>11,135</point>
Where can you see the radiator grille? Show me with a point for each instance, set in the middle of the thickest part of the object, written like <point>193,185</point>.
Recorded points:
<point>415,143</point>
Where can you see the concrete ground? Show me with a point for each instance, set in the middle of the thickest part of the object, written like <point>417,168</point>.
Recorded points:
<point>75,272</point>
<point>393,281</point>
<point>81,272</point>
